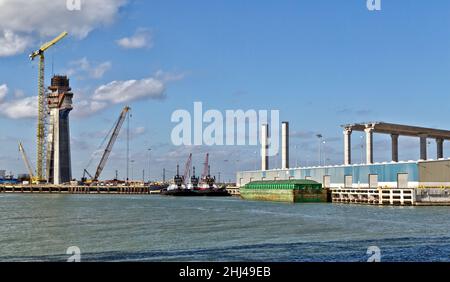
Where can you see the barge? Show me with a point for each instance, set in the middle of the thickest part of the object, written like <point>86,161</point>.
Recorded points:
<point>291,191</point>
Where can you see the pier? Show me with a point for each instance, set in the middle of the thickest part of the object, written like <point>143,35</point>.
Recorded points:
<point>393,196</point>
<point>61,189</point>
<point>399,197</point>
<point>234,191</point>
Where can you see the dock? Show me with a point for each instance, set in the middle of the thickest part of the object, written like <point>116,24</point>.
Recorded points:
<point>369,196</point>
<point>63,189</point>
<point>393,196</point>
<point>234,191</point>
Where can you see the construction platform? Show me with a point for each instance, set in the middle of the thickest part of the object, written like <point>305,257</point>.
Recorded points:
<point>77,189</point>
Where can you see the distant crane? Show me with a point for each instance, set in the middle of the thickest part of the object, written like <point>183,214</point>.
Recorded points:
<point>27,163</point>
<point>205,167</point>
<point>187,168</point>
<point>109,147</point>
<point>41,105</point>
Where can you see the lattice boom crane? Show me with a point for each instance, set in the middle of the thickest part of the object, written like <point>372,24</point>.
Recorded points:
<point>26,162</point>
<point>111,142</point>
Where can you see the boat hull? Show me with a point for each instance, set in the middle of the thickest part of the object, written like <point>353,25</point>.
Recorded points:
<point>196,193</point>
<point>178,192</point>
<point>213,193</point>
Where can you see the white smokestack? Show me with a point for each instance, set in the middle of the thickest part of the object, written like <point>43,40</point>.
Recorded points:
<point>264,147</point>
<point>285,145</point>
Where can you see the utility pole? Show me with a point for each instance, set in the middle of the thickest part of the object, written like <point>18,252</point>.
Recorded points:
<point>320,136</point>
<point>132,170</point>
<point>149,154</point>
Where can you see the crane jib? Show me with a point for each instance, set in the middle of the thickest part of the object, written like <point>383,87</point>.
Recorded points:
<point>111,142</point>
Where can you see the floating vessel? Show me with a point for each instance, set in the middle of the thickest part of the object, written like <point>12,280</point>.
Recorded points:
<point>178,188</point>
<point>206,186</point>
<point>292,191</point>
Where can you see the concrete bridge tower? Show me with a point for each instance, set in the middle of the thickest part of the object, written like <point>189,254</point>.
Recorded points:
<point>59,100</point>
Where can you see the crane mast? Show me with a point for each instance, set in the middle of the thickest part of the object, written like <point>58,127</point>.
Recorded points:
<point>111,142</point>
<point>42,109</point>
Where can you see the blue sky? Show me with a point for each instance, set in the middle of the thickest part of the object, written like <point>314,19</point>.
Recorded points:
<point>321,63</point>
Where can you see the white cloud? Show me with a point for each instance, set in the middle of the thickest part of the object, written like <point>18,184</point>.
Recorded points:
<point>168,77</point>
<point>120,92</point>
<point>100,70</point>
<point>140,130</point>
<point>134,134</point>
<point>19,93</point>
<point>86,108</point>
<point>20,108</point>
<point>117,92</point>
<point>12,44</point>
<point>141,39</point>
<point>84,67</point>
<point>21,20</point>
<point>3,91</point>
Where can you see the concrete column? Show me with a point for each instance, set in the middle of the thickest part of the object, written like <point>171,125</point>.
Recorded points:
<point>264,147</point>
<point>348,146</point>
<point>369,145</point>
<point>394,138</point>
<point>423,147</point>
<point>56,146</point>
<point>285,145</point>
<point>440,148</point>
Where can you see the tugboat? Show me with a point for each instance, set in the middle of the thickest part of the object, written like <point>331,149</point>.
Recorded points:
<point>207,186</point>
<point>194,181</point>
<point>178,188</point>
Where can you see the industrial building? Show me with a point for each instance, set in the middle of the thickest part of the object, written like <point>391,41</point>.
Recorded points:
<point>59,100</point>
<point>420,181</point>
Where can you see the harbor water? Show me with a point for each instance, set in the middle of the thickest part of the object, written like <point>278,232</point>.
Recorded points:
<point>156,228</point>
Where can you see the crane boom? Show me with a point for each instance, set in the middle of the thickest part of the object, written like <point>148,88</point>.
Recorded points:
<point>187,168</point>
<point>205,167</point>
<point>25,160</point>
<point>47,45</point>
<point>40,152</point>
<point>111,142</point>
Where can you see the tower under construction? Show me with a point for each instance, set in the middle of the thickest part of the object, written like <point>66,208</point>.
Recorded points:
<point>59,101</point>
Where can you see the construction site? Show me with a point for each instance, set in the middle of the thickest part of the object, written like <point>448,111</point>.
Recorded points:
<point>425,181</point>
<point>53,169</point>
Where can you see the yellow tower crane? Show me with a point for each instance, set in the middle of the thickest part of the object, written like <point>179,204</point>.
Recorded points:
<point>40,160</point>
